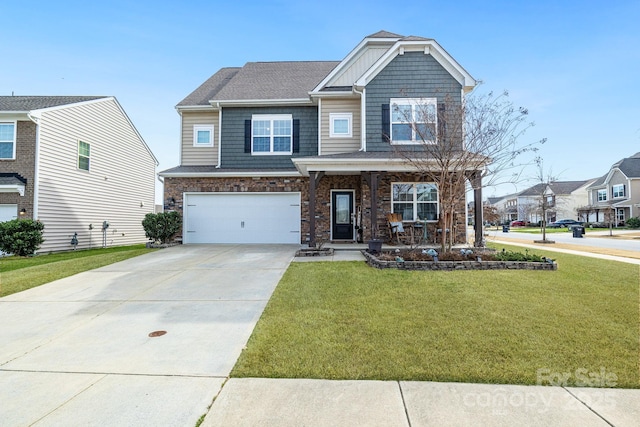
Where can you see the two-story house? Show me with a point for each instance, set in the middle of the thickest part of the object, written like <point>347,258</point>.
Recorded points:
<point>294,152</point>
<point>615,196</point>
<point>561,200</point>
<point>74,162</point>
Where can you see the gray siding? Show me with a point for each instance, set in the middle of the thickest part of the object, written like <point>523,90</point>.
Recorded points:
<point>233,155</point>
<point>412,75</point>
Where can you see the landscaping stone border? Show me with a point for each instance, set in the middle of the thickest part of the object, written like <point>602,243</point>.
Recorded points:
<point>314,252</point>
<point>373,261</point>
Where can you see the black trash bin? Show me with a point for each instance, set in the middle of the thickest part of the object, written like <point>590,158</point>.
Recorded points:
<point>505,228</point>
<point>578,231</point>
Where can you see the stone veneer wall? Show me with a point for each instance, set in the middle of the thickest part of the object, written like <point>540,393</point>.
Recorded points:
<point>175,187</point>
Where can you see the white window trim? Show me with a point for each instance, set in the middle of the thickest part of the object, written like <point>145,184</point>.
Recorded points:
<point>415,200</point>
<point>15,132</point>
<point>598,195</point>
<point>340,116</point>
<point>413,102</point>
<point>78,156</point>
<point>613,191</point>
<point>196,129</point>
<point>271,117</point>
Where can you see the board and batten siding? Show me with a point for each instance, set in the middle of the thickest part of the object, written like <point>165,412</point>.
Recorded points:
<point>119,187</point>
<point>330,145</point>
<point>198,156</point>
<point>360,66</point>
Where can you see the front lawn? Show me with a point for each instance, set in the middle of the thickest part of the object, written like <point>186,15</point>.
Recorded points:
<point>349,321</point>
<point>21,273</point>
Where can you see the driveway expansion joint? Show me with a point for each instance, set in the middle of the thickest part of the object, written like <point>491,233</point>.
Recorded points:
<point>588,407</point>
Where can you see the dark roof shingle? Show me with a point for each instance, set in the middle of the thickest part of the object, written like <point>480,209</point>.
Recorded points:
<point>29,103</point>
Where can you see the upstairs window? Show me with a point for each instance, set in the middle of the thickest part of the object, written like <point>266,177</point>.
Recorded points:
<point>7,140</point>
<point>413,120</point>
<point>618,191</point>
<point>602,195</point>
<point>340,125</point>
<point>203,136</point>
<point>84,155</point>
<point>415,201</point>
<point>271,134</point>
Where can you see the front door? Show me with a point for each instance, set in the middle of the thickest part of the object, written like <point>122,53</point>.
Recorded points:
<point>342,215</point>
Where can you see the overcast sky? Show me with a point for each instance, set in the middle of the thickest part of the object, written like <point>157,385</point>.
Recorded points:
<point>574,64</point>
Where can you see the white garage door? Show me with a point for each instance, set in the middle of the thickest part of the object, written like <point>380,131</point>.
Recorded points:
<point>241,218</point>
<point>8,212</point>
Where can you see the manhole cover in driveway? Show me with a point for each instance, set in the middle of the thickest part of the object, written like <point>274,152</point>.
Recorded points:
<point>157,334</point>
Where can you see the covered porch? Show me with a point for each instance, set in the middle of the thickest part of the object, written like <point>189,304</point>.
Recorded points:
<point>351,194</point>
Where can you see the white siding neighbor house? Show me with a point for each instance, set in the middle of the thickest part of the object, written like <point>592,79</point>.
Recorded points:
<point>74,162</point>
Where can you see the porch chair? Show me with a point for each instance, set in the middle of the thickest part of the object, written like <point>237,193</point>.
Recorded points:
<point>398,230</point>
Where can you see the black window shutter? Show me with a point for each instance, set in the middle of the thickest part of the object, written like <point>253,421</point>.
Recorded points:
<point>624,190</point>
<point>247,136</point>
<point>386,123</point>
<point>296,135</point>
<point>442,121</point>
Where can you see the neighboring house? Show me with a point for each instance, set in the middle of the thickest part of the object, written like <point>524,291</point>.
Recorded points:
<point>294,152</point>
<point>616,195</point>
<point>73,162</point>
<point>561,199</point>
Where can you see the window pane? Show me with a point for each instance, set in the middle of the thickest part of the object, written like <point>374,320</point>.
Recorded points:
<point>425,113</point>
<point>402,192</point>
<point>405,210</point>
<point>427,211</point>
<point>282,143</point>
<point>6,132</point>
<point>343,211</point>
<point>6,150</point>
<point>261,144</point>
<point>84,149</point>
<point>83,163</point>
<point>261,128</point>
<point>203,137</point>
<point>425,132</point>
<point>282,127</point>
<point>401,132</point>
<point>401,113</point>
<point>341,126</point>
<point>427,193</point>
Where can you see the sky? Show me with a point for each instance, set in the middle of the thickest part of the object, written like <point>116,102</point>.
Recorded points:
<point>574,64</point>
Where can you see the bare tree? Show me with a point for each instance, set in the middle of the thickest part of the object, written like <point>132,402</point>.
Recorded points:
<point>474,141</point>
<point>545,200</point>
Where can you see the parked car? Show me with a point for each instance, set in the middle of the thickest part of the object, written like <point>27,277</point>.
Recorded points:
<point>569,223</point>
<point>518,223</point>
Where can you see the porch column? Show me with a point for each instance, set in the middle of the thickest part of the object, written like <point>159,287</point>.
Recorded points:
<point>372,179</point>
<point>476,182</point>
<point>314,180</point>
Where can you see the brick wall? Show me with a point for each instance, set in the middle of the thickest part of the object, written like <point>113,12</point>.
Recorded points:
<point>174,188</point>
<point>24,165</point>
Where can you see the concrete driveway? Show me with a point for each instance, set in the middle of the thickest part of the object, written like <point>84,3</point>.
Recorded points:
<point>77,351</point>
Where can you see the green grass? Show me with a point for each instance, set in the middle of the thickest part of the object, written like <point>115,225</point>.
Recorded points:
<point>349,321</point>
<point>21,273</point>
<point>537,230</point>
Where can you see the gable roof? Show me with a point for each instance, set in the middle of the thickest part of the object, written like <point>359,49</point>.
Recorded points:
<point>382,34</point>
<point>29,103</point>
<point>629,166</point>
<point>261,81</point>
<point>558,187</point>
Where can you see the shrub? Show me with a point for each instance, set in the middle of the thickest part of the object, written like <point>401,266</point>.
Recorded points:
<point>161,227</point>
<point>518,256</point>
<point>633,222</point>
<point>21,237</point>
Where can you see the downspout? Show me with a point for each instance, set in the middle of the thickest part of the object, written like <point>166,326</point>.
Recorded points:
<point>36,184</point>
<point>363,118</point>
<point>219,135</point>
<point>320,126</point>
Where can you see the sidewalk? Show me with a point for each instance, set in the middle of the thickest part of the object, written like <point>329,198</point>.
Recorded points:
<point>288,402</point>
